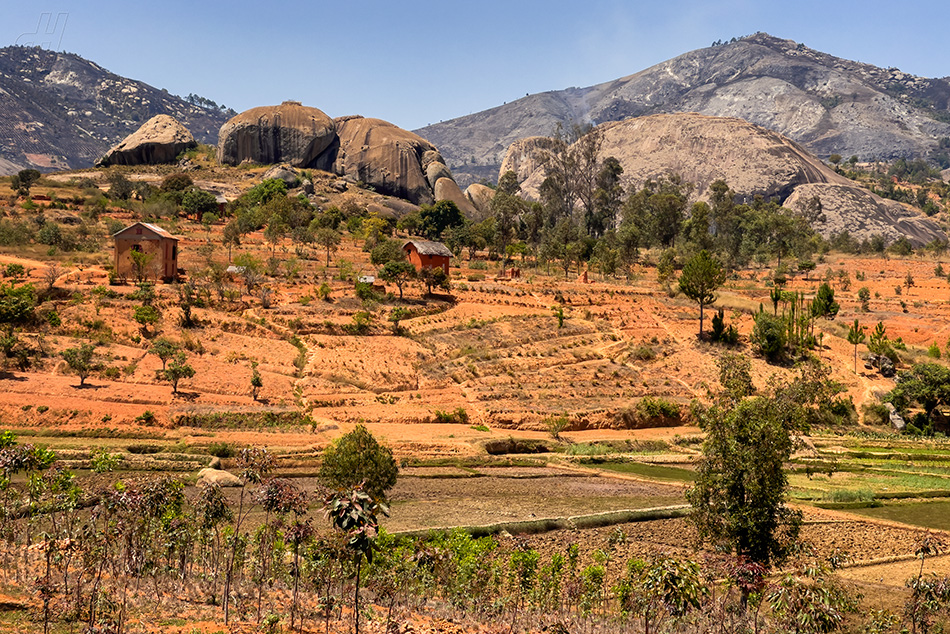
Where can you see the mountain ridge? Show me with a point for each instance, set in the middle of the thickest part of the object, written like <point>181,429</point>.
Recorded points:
<point>828,104</point>
<point>61,111</point>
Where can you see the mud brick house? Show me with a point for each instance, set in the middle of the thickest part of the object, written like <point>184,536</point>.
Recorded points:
<point>146,238</point>
<point>425,254</point>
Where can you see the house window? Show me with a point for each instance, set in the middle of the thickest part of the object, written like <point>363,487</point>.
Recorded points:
<point>137,248</point>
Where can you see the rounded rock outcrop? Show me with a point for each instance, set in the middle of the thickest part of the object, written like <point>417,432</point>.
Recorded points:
<point>448,189</point>
<point>481,197</point>
<point>159,140</point>
<point>291,133</point>
<point>383,156</point>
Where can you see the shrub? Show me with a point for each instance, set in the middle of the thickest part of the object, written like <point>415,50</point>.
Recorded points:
<point>221,450</point>
<point>769,336</point>
<point>651,408</point>
<point>104,462</point>
<point>458,415</point>
<point>357,459</point>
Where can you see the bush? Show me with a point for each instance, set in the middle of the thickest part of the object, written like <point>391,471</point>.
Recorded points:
<point>357,459</point>
<point>221,450</point>
<point>769,336</point>
<point>876,414</point>
<point>458,415</point>
<point>651,408</point>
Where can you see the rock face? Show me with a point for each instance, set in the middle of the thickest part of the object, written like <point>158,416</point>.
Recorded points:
<point>382,155</point>
<point>284,173</point>
<point>447,189</point>
<point>828,104</point>
<point>391,160</point>
<point>218,477</point>
<point>522,156</point>
<point>290,133</point>
<point>751,159</point>
<point>160,140</point>
<point>481,196</point>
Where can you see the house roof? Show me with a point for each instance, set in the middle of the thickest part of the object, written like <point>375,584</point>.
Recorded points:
<point>153,228</point>
<point>428,247</point>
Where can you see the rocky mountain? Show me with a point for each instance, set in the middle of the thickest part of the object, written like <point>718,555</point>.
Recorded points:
<point>828,104</point>
<point>60,111</point>
<point>751,159</point>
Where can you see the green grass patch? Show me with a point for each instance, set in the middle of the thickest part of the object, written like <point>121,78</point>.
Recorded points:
<point>657,472</point>
<point>926,514</point>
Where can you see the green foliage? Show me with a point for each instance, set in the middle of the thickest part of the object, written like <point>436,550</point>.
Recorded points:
<point>164,349</point>
<point>824,304</point>
<point>436,218</point>
<point>79,360</point>
<point>104,462</point>
<point>177,183</point>
<point>398,272</point>
<point>357,459</point>
<point>721,333</point>
<point>146,316</point>
<point>769,336</point>
<point>739,497</point>
<point>221,450</point>
<point>701,276</point>
<point>456,416</point>
<point>197,202</point>
<point>178,369</point>
<point>651,408</point>
<point>435,277</point>
<point>386,250</point>
<point>926,385</point>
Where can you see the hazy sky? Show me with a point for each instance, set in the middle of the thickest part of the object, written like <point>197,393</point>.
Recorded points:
<point>418,62</point>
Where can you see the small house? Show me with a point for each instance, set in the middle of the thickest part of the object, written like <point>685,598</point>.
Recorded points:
<point>426,254</point>
<point>144,237</point>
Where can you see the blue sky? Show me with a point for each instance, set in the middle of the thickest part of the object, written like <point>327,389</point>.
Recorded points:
<point>418,62</point>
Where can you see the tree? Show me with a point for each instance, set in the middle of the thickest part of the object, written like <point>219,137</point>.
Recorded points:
<point>164,349</point>
<point>79,360</point>
<point>198,202</point>
<point>256,381</point>
<point>824,304</point>
<point>329,239</point>
<point>231,236</point>
<point>140,264</point>
<point>435,277</point>
<point>864,295</point>
<point>701,276</point>
<point>770,335</point>
<point>399,272</point>
<point>146,315</point>
<point>396,315</point>
<point>856,337</point>
<point>439,217</point>
<point>354,514</point>
<point>926,385</point>
<point>24,180</point>
<point>357,458</point>
<point>738,500</point>
<point>177,370</point>
<point>386,250</point>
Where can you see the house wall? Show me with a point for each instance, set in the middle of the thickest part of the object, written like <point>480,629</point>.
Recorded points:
<point>427,261</point>
<point>163,251</point>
